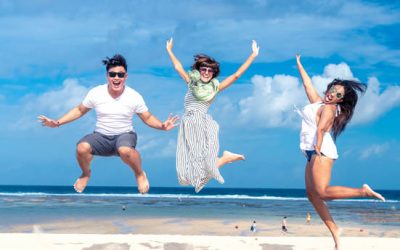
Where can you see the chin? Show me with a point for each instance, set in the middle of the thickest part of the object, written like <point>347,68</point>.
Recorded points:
<point>205,80</point>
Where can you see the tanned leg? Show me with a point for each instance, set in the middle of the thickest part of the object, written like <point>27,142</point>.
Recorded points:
<point>132,157</point>
<point>84,157</point>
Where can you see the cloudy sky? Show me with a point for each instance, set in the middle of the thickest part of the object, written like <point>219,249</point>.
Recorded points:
<point>51,54</point>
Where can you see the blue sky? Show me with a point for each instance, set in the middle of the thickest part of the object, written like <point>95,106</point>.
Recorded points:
<point>51,56</point>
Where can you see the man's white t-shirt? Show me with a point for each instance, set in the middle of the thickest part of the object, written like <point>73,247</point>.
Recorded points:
<point>114,116</point>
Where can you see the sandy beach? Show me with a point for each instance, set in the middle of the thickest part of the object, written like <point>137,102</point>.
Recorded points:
<point>179,242</point>
<point>186,234</point>
<point>112,218</point>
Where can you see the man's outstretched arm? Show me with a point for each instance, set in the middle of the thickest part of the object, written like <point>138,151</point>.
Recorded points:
<point>150,120</point>
<point>72,115</point>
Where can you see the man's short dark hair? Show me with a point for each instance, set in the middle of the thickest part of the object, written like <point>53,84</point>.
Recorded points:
<point>116,60</point>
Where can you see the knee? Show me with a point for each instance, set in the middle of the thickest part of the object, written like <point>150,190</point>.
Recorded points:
<point>125,152</point>
<point>83,148</point>
<point>310,195</point>
<point>322,194</point>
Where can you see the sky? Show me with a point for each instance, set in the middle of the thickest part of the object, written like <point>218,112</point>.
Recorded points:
<point>51,56</point>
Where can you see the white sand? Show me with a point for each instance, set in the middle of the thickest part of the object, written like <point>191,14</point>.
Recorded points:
<point>46,241</point>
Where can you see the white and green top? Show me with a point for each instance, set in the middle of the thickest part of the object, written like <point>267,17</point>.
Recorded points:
<point>202,91</point>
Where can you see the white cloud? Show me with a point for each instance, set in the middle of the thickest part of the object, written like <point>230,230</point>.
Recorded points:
<point>374,150</point>
<point>73,38</point>
<point>332,71</point>
<point>60,101</point>
<point>157,147</point>
<point>271,102</point>
<point>51,103</point>
<point>376,103</point>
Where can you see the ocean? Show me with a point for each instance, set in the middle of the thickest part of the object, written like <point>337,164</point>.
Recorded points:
<point>34,204</point>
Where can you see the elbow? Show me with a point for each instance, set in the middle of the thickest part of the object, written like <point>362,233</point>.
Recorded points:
<point>321,131</point>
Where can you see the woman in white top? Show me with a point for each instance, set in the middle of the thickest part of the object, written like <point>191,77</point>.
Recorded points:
<point>322,122</point>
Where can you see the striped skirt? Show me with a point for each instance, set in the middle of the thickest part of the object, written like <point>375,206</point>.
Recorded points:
<point>197,150</point>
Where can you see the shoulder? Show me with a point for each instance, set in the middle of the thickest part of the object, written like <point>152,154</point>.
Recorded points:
<point>99,88</point>
<point>132,92</point>
<point>328,109</point>
<point>133,96</point>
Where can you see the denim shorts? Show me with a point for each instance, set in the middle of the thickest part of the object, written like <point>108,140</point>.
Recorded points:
<point>107,145</point>
<point>309,154</point>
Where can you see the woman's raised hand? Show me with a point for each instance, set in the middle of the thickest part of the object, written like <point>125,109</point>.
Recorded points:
<point>298,57</point>
<point>170,44</point>
<point>255,48</point>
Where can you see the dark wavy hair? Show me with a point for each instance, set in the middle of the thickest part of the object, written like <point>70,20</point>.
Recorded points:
<point>202,60</point>
<point>115,61</point>
<point>348,103</point>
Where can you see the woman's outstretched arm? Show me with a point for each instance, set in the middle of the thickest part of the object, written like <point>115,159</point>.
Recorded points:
<point>177,64</point>
<point>232,78</point>
<point>311,92</point>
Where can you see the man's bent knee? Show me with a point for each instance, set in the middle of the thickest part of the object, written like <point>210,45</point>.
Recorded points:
<point>126,152</point>
<point>83,148</point>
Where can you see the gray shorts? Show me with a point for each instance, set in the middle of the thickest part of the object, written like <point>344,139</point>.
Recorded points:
<point>107,145</point>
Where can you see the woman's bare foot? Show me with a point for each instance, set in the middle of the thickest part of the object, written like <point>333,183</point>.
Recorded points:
<point>142,183</point>
<point>81,183</point>
<point>336,238</point>
<point>230,157</point>
<point>371,193</point>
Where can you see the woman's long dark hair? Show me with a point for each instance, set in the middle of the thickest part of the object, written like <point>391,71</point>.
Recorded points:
<point>347,104</point>
<point>202,60</point>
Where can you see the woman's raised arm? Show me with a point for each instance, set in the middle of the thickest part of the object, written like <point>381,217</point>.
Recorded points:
<point>177,64</point>
<point>232,78</point>
<point>311,92</point>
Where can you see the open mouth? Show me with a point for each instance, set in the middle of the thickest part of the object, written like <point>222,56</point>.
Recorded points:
<point>116,84</point>
<point>328,98</point>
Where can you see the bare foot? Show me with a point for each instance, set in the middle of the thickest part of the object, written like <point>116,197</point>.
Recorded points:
<point>81,183</point>
<point>231,157</point>
<point>371,193</point>
<point>337,239</point>
<point>143,183</point>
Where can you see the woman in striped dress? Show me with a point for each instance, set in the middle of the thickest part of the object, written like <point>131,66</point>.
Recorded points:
<point>197,151</point>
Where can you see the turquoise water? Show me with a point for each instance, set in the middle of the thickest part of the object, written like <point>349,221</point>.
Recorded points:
<point>34,204</point>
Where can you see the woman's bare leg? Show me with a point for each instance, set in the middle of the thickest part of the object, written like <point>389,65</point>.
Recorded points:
<point>318,174</point>
<point>228,157</point>
<point>326,192</point>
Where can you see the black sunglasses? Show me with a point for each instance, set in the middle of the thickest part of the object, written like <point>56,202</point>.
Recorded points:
<point>114,74</point>
<point>333,90</point>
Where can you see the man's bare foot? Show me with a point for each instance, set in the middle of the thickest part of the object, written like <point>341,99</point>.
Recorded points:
<point>371,193</point>
<point>81,183</point>
<point>231,157</point>
<point>142,183</point>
